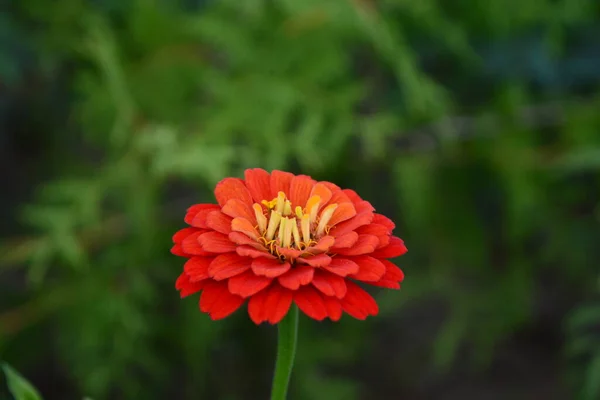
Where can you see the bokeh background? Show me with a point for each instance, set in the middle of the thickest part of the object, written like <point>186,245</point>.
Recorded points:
<point>474,124</point>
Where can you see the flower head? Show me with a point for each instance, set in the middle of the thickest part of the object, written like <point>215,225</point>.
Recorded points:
<point>279,238</point>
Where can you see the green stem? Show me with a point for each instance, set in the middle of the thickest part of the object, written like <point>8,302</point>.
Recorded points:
<point>286,351</point>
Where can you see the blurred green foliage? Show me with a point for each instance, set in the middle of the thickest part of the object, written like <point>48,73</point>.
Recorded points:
<point>474,124</point>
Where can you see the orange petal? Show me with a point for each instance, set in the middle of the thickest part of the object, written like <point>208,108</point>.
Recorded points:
<point>258,182</point>
<point>342,266</point>
<point>339,197</point>
<point>329,284</point>
<point>182,234</point>
<point>370,269</point>
<point>320,260</point>
<point>244,226</point>
<point>248,284</point>
<point>364,216</point>
<point>366,244</point>
<point>242,239</point>
<point>227,265</point>
<point>345,241</point>
<point>385,221</point>
<point>396,248</point>
<point>289,253</point>
<point>253,252</point>
<point>271,304</point>
<point>321,190</point>
<point>343,212</point>
<point>358,303</point>
<point>216,242</point>
<point>217,302</point>
<point>269,267</point>
<point>186,287</point>
<point>232,188</point>
<point>219,222</point>
<point>197,268</point>
<point>297,276</point>
<point>323,245</point>
<point>334,308</point>
<point>193,211</point>
<point>236,208</point>
<point>191,245</point>
<point>311,303</point>
<point>280,182</point>
<point>300,188</point>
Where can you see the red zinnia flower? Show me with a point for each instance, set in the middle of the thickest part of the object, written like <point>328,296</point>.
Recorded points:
<point>279,238</point>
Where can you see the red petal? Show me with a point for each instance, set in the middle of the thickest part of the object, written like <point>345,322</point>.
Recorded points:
<point>392,277</point>
<point>227,265</point>
<point>248,284</point>
<point>186,287</point>
<point>320,260</point>
<point>236,208</point>
<point>182,234</point>
<point>280,182</point>
<point>232,188</point>
<point>219,222</point>
<point>358,303</point>
<point>193,211</point>
<point>321,190</point>
<point>342,213</point>
<point>191,245</point>
<point>329,284</point>
<point>342,266</point>
<point>178,251</point>
<point>200,220</point>
<point>269,267</point>
<point>392,271</point>
<point>396,248</point>
<point>258,182</point>
<point>300,189</point>
<point>297,276</point>
<point>218,302</point>
<point>254,252</point>
<point>334,308</point>
<point>197,268</point>
<point>216,242</point>
<point>385,221</point>
<point>345,241</point>
<point>311,303</point>
<point>271,304</point>
<point>244,226</point>
<point>370,269</point>
<point>386,283</point>
<point>352,195</point>
<point>366,244</point>
<point>380,231</point>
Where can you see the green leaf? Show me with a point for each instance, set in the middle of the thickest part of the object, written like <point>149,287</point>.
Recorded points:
<point>591,389</point>
<point>19,387</point>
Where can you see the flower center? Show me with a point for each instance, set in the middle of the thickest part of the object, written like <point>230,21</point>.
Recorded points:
<point>299,229</point>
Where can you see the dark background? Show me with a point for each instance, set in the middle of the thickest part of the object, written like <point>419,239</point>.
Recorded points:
<point>474,124</point>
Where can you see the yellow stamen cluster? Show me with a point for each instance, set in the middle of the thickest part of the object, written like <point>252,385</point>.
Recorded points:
<point>299,229</point>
